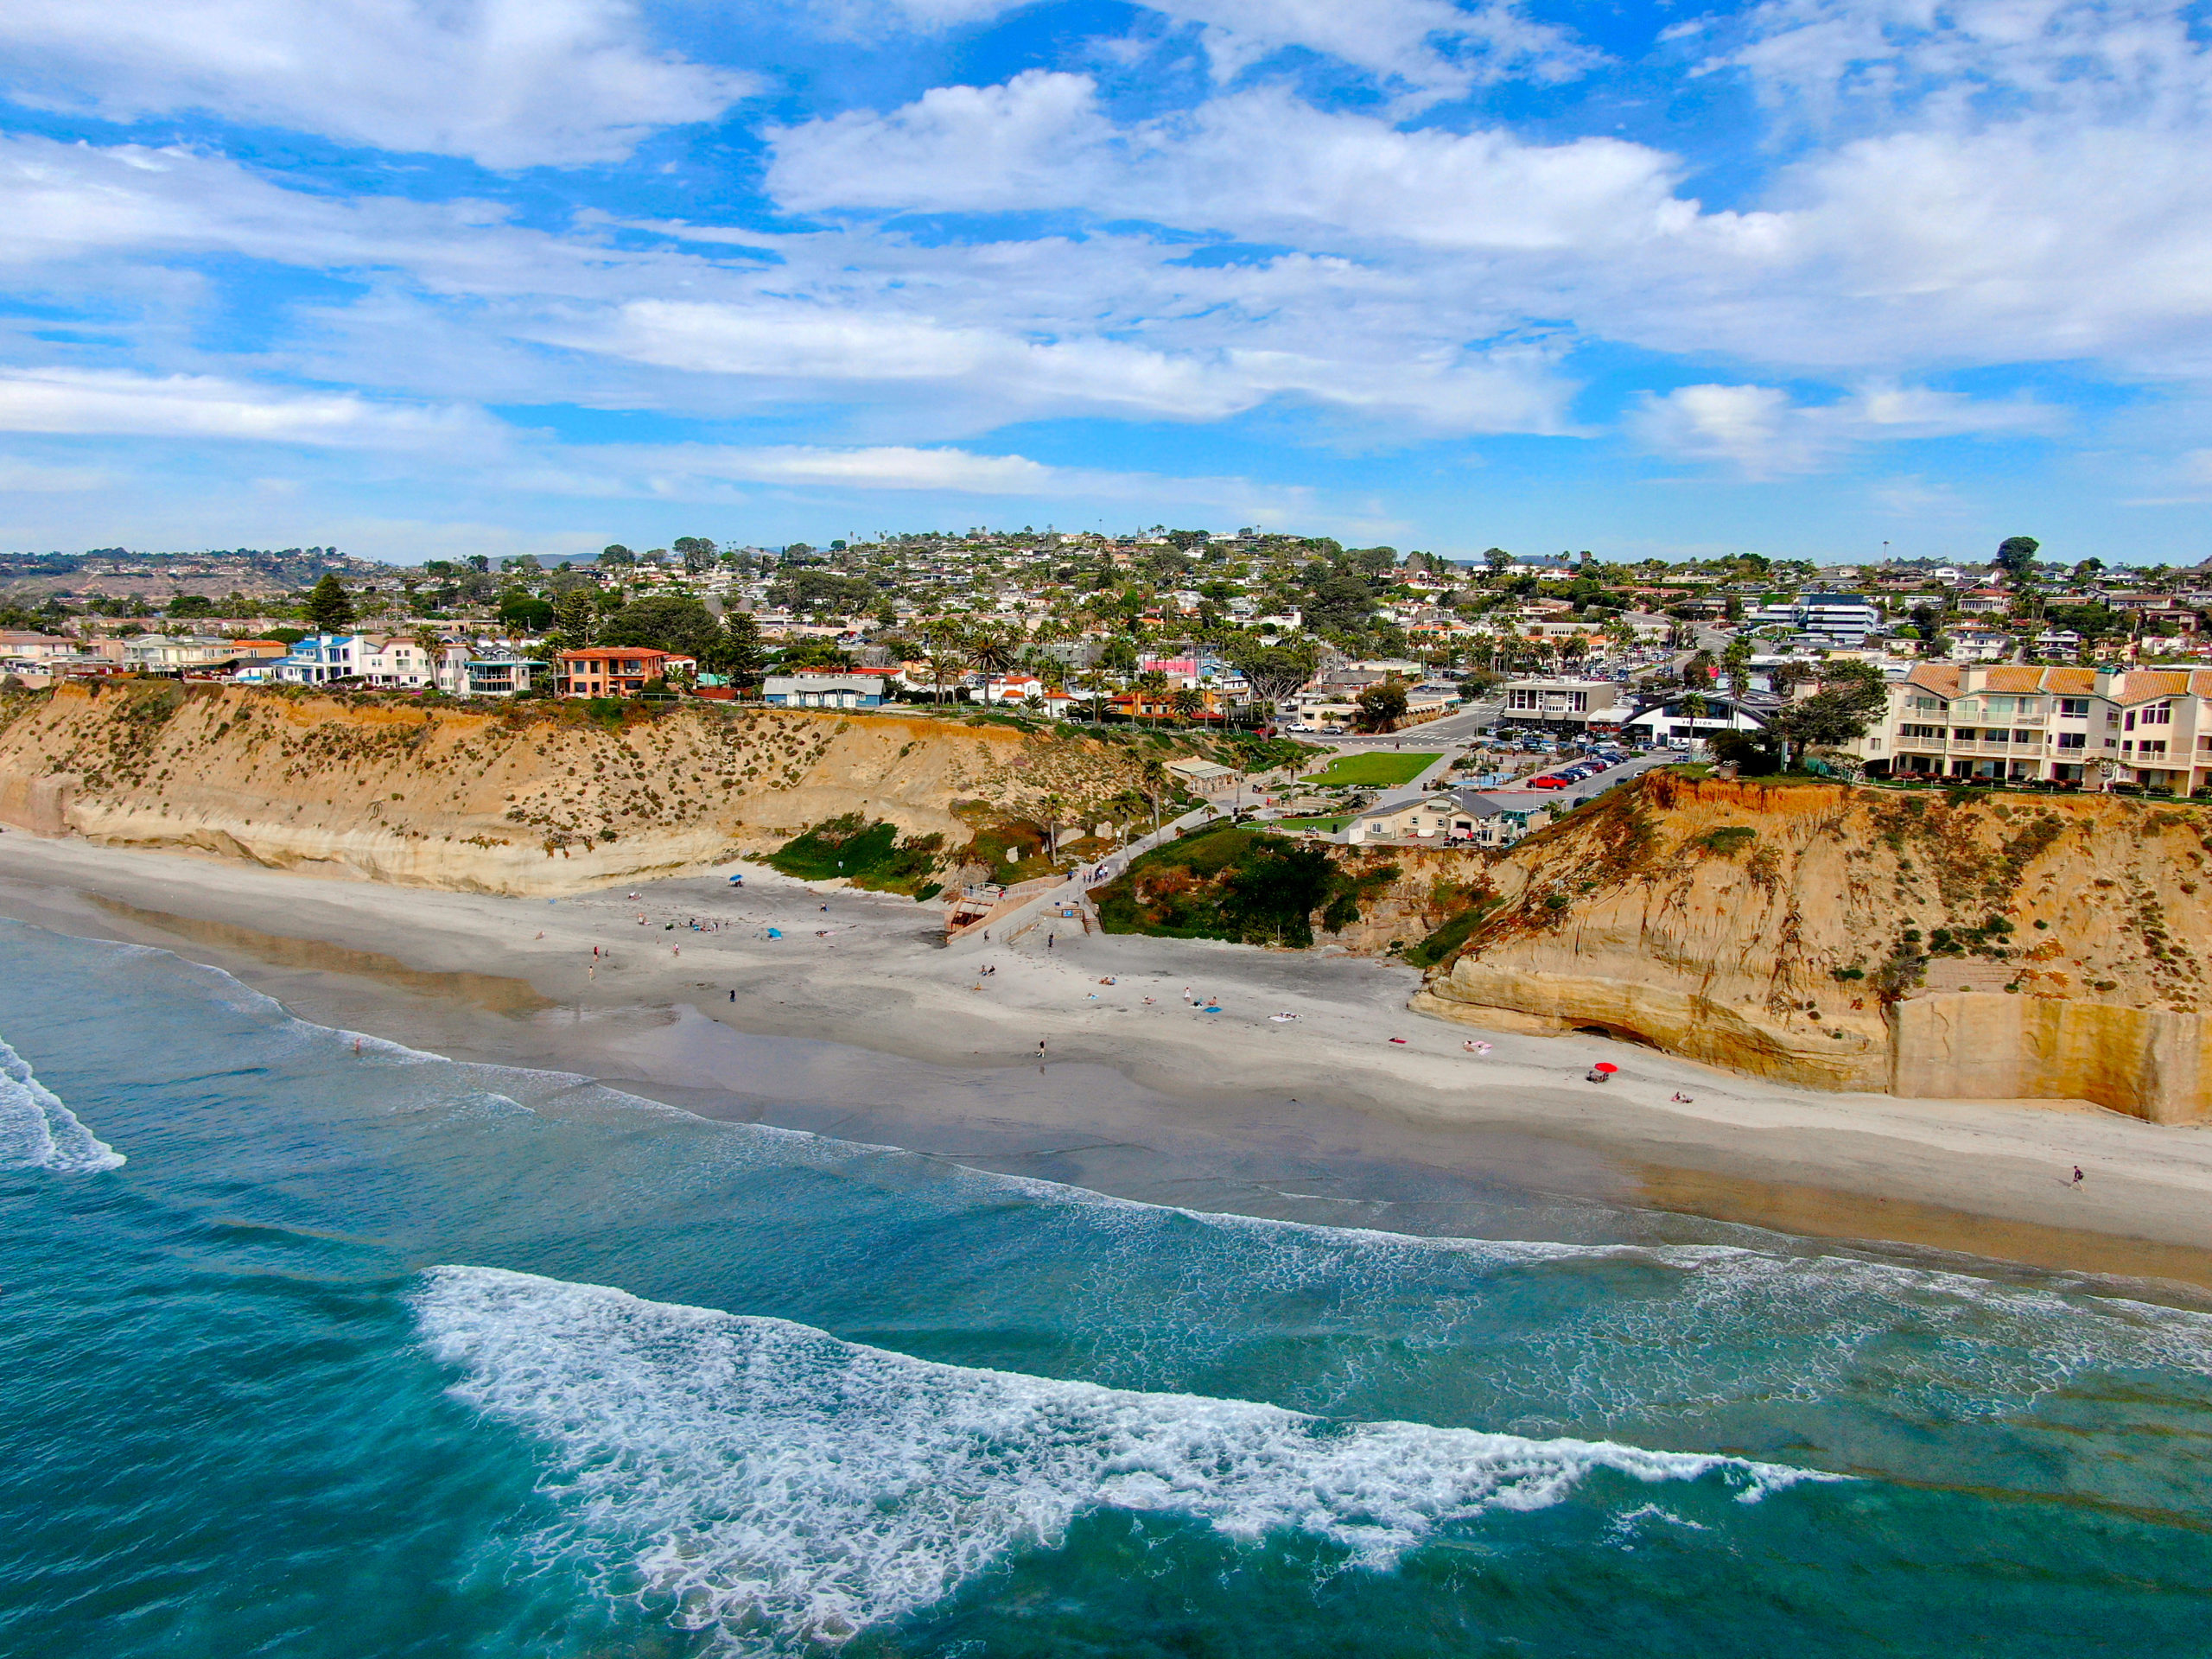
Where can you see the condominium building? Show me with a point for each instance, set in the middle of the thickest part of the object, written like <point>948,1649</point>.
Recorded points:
<point>2147,726</point>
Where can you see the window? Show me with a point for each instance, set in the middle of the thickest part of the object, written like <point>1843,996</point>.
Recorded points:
<point>1934,731</point>
<point>2154,746</point>
<point>2079,740</point>
<point>2073,707</point>
<point>2158,714</point>
<point>2027,737</point>
<point>1964,733</point>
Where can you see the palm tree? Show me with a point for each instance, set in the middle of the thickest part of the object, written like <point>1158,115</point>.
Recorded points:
<point>946,665</point>
<point>1152,685</point>
<point>1188,703</point>
<point>432,645</point>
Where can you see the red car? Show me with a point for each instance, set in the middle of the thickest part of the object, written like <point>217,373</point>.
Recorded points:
<point>1550,780</point>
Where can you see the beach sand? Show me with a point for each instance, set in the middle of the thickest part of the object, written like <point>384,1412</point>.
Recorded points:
<point>860,1023</point>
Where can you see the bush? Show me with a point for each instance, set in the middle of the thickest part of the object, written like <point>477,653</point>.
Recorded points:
<point>867,855</point>
<point>1728,840</point>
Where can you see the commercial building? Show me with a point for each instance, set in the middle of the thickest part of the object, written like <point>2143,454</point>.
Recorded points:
<point>1571,708</point>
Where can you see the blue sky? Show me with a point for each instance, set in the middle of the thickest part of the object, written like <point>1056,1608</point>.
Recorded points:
<point>1808,277</point>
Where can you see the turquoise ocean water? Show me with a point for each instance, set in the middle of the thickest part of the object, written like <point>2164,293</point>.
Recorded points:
<point>309,1351</point>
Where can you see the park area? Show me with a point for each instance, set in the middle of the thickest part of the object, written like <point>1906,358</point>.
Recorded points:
<point>1378,769</point>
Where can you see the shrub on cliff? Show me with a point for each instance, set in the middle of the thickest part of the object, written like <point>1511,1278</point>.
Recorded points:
<point>867,855</point>
<point>1227,882</point>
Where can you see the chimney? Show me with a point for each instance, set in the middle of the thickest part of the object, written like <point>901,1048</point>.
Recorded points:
<point>1972,677</point>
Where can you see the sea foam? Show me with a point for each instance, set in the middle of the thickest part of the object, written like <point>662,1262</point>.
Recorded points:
<point>770,1481</point>
<point>37,1131</point>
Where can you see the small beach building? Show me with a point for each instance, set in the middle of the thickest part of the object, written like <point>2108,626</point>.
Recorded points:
<point>824,690</point>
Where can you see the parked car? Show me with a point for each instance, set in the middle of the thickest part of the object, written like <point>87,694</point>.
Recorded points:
<point>1550,780</point>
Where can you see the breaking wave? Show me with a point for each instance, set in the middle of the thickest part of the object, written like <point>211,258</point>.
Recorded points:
<point>37,1131</point>
<point>769,1482</point>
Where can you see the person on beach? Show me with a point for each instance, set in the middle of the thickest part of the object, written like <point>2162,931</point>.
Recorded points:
<point>2077,1175</point>
<point>1040,1050</point>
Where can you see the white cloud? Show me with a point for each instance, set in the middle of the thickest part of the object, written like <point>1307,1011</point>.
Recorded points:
<point>794,346</point>
<point>509,83</point>
<point>1259,163</point>
<point>108,404</point>
<point>1429,48</point>
<point>1761,431</point>
<point>886,467</point>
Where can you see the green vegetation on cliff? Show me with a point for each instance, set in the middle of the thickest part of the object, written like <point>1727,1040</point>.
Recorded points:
<point>1235,883</point>
<point>867,855</point>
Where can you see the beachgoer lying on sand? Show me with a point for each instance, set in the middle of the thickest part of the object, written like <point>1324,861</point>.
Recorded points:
<point>1682,1099</point>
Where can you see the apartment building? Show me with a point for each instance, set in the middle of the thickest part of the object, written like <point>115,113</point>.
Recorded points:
<point>2147,726</point>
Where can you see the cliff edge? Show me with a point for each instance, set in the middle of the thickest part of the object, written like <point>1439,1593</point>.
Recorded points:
<point>1925,944</point>
<point>532,797</point>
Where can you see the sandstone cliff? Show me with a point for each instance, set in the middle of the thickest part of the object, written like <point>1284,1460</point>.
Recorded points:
<point>1860,938</point>
<point>533,799</point>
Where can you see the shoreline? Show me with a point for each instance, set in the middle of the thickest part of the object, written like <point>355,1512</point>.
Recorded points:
<point>860,1023</point>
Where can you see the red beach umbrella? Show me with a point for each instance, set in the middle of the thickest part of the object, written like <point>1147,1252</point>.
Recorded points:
<point>1604,1066</point>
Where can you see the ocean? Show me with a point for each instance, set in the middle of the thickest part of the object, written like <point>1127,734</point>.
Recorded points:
<point>315,1345</point>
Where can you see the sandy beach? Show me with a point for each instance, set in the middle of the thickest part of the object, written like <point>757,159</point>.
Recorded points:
<point>859,1022</point>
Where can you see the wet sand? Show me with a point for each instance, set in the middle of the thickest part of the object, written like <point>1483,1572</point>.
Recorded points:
<point>860,1023</point>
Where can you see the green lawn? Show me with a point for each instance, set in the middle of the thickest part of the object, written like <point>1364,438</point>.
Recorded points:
<point>1326,826</point>
<point>1382,768</point>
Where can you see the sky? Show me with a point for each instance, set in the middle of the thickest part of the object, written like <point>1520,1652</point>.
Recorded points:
<point>423,278</point>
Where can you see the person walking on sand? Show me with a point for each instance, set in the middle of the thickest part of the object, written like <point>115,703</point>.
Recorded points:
<point>1040,1051</point>
<point>2077,1175</point>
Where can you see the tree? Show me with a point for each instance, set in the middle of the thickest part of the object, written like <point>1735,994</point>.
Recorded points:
<point>1275,672</point>
<point>683,625</point>
<point>738,653</point>
<point>432,645</point>
<point>524,611</point>
<point>1339,604</point>
<point>575,614</point>
<point>1382,706</point>
<point>1152,688</point>
<point>329,607</point>
<point>1497,560</point>
<point>2016,557</point>
<point>697,552</point>
<point>1188,703</point>
<point>1735,663</point>
<point>1851,694</point>
<point>947,663</point>
<point>192,605</point>
<point>615,556</point>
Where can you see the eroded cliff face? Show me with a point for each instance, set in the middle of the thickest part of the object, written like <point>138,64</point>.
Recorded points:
<point>532,799</point>
<point>2040,947</point>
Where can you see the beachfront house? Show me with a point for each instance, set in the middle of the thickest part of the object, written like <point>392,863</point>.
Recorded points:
<point>315,660</point>
<point>616,671</point>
